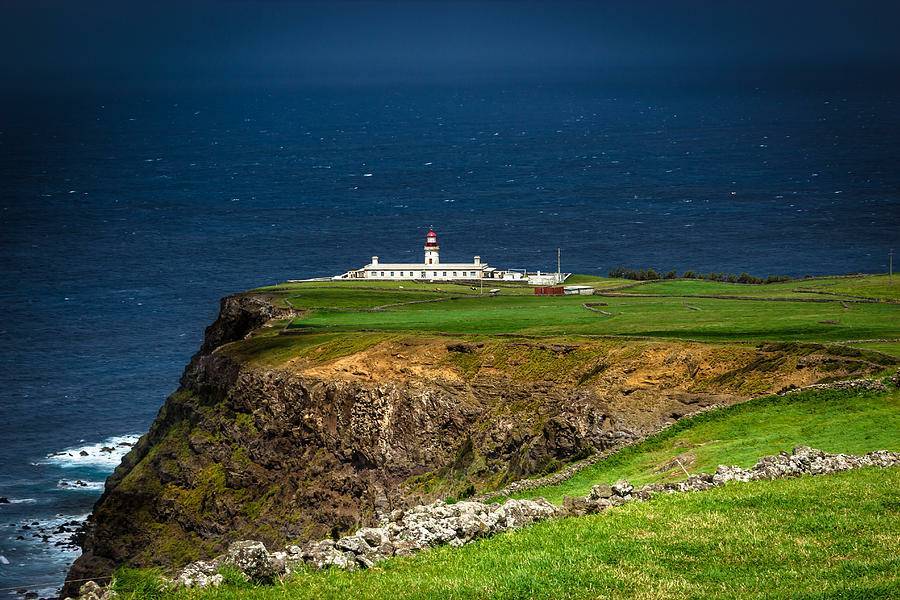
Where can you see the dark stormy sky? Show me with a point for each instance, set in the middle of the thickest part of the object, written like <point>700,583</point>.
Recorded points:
<point>99,44</point>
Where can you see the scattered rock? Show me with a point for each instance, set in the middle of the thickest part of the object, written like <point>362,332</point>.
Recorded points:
<point>92,591</point>
<point>724,473</point>
<point>4,500</point>
<point>601,490</point>
<point>400,533</point>
<point>253,560</point>
<point>895,379</point>
<point>871,385</point>
<point>622,489</point>
<point>201,574</point>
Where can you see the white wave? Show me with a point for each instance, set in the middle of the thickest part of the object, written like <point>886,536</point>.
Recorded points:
<point>80,484</point>
<point>105,455</point>
<point>22,500</point>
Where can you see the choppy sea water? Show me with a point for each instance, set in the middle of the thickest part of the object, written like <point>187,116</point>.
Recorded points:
<point>125,218</point>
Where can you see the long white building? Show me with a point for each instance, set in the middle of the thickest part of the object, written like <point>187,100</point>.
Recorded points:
<point>432,269</point>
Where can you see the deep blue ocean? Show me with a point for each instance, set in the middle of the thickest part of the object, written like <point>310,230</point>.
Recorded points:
<point>126,216</point>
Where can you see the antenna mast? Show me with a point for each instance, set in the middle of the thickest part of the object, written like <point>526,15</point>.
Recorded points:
<point>558,268</point>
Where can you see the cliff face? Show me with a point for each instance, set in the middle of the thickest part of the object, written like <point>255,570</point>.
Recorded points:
<point>311,448</point>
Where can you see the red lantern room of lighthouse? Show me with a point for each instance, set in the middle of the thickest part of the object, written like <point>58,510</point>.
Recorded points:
<point>432,249</point>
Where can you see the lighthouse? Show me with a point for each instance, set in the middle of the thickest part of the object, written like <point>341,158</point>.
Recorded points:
<point>432,249</point>
<point>432,269</point>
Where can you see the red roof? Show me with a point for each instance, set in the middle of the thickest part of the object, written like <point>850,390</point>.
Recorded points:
<point>431,234</point>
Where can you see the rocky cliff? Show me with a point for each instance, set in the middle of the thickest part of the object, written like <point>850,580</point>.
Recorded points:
<point>317,439</point>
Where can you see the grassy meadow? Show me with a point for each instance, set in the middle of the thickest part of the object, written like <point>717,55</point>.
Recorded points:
<point>661,309</point>
<point>878,287</point>
<point>702,319</point>
<point>834,421</point>
<point>833,536</point>
<point>813,538</point>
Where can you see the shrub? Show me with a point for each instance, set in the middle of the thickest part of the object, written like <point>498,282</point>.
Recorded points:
<point>652,275</point>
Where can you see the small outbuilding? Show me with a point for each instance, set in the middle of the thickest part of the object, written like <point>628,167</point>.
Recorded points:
<point>552,290</point>
<point>579,290</point>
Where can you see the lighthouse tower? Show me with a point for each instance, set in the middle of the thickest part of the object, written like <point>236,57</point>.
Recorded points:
<point>431,248</point>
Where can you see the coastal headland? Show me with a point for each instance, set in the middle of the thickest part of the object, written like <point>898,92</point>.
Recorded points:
<point>314,409</point>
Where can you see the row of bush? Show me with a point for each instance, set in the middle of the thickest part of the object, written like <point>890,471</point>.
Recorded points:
<point>653,274</point>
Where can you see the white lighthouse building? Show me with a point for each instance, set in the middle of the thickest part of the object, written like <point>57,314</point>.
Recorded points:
<point>430,269</point>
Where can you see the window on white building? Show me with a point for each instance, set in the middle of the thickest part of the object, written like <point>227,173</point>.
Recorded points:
<point>392,273</point>
<point>445,273</point>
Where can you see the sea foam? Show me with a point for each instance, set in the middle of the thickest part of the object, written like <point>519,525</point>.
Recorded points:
<point>80,485</point>
<point>94,455</point>
<point>22,500</point>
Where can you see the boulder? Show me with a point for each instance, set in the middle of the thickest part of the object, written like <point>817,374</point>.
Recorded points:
<point>574,506</point>
<point>92,591</point>
<point>253,560</point>
<point>200,574</point>
<point>324,554</point>
<point>622,489</point>
<point>600,490</point>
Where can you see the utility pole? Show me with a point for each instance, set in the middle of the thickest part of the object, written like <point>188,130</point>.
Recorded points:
<point>558,268</point>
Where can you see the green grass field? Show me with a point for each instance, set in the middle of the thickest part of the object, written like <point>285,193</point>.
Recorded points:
<point>701,319</point>
<point>661,310</point>
<point>892,348</point>
<point>834,536</point>
<point>364,295</point>
<point>835,421</point>
<point>869,286</point>
<point>824,537</point>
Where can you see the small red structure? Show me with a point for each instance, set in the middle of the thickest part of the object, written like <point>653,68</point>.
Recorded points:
<point>552,290</point>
